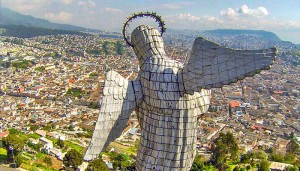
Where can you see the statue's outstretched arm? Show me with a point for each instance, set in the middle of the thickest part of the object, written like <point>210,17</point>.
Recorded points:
<point>120,98</point>
<point>212,66</point>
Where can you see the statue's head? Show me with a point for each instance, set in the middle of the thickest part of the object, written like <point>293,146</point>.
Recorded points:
<point>146,42</point>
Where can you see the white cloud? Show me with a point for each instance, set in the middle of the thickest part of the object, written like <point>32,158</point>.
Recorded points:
<point>294,24</point>
<point>174,6</point>
<point>258,12</point>
<point>66,1</point>
<point>28,6</point>
<point>112,10</point>
<point>87,3</point>
<point>210,19</point>
<point>228,13</point>
<point>25,6</point>
<point>244,11</point>
<point>240,18</point>
<point>171,6</point>
<point>59,17</point>
<point>188,17</point>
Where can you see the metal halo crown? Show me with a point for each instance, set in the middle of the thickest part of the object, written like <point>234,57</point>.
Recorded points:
<point>161,23</point>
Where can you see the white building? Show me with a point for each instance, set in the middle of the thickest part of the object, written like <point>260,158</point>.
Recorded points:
<point>47,144</point>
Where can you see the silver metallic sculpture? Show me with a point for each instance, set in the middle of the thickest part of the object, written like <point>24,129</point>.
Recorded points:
<point>168,96</point>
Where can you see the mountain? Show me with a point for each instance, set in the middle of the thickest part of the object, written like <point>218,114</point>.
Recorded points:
<point>259,33</point>
<point>9,17</point>
<point>18,25</point>
<point>262,34</point>
<point>237,39</point>
<point>27,32</point>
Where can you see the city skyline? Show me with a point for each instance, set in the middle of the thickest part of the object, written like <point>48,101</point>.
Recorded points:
<point>282,18</point>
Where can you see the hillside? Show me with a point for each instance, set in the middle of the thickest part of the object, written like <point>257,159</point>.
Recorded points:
<point>27,32</point>
<point>238,39</point>
<point>258,33</point>
<point>18,25</point>
<point>9,17</point>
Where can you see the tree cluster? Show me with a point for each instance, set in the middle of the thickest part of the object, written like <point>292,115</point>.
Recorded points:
<point>60,143</point>
<point>74,92</point>
<point>264,165</point>
<point>224,148</point>
<point>198,164</point>
<point>40,68</point>
<point>73,159</point>
<point>22,64</point>
<point>13,144</point>
<point>97,165</point>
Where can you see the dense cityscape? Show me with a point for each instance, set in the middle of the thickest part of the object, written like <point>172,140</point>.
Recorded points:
<point>51,86</point>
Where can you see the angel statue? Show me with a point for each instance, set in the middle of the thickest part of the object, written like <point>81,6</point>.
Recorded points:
<point>168,96</point>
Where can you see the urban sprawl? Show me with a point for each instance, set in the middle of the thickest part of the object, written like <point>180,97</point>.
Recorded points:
<point>50,88</point>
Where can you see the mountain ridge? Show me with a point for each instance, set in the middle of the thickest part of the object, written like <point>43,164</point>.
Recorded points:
<point>10,17</point>
<point>22,31</point>
<point>226,32</point>
<point>264,34</point>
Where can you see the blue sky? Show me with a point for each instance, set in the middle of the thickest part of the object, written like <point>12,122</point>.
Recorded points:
<point>279,16</point>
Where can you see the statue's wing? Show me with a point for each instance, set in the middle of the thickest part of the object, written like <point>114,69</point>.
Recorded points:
<point>120,98</point>
<point>212,66</point>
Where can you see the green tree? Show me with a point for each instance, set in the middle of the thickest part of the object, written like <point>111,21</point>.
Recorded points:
<point>60,143</point>
<point>44,151</point>
<point>19,160</point>
<point>131,167</point>
<point>264,165</point>
<point>260,155</point>
<point>94,105</point>
<point>210,109</point>
<point>198,164</point>
<point>36,147</point>
<point>236,168</point>
<point>74,92</point>
<point>93,51</point>
<point>40,68</point>
<point>97,165</point>
<point>251,155</point>
<point>13,144</point>
<point>297,162</point>
<point>94,74</point>
<point>113,155</point>
<point>290,158</point>
<point>33,127</point>
<point>243,169</point>
<point>13,131</point>
<point>292,168</point>
<point>48,161</point>
<point>122,161</point>
<point>47,127</point>
<point>276,157</point>
<point>292,135</point>
<point>246,158</point>
<point>224,148</point>
<point>71,128</point>
<point>105,47</point>
<point>22,64</point>
<point>293,147</point>
<point>119,48</point>
<point>72,159</point>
